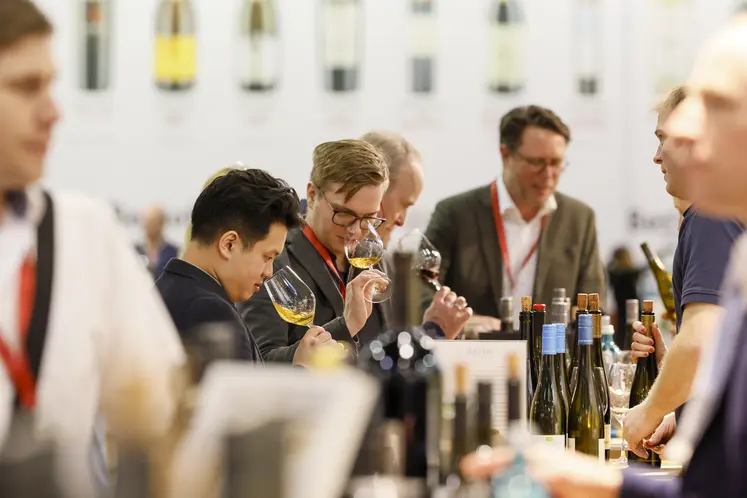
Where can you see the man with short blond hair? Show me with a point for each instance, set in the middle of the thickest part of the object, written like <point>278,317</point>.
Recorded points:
<point>347,182</point>
<point>699,264</point>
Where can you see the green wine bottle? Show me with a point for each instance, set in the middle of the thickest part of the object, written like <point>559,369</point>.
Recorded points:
<point>645,375</point>
<point>586,419</point>
<point>560,371</point>
<point>599,371</point>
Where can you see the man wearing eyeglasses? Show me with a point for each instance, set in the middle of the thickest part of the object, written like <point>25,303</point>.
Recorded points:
<point>522,237</point>
<point>348,180</point>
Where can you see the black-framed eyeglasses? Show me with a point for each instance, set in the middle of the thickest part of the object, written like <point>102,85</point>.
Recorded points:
<point>347,219</point>
<point>538,164</point>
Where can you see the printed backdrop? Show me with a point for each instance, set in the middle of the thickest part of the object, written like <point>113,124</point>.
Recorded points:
<point>136,145</point>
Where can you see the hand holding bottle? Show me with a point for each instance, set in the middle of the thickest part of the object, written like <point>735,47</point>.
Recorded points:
<point>315,336</point>
<point>448,311</point>
<point>643,345</point>
<point>357,307</point>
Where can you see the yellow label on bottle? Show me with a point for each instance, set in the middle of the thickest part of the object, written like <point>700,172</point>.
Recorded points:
<point>176,58</point>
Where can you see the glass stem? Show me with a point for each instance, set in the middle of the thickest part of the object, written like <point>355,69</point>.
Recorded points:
<point>624,449</point>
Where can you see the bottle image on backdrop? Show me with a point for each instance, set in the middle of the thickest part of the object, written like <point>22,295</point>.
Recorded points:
<point>423,45</point>
<point>672,24</point>
<point>176,45</point>
<point>259,46</point>
<point>95,65</point>
<point>342,32</point>
<point>588,42</point>
<point>506,64</point>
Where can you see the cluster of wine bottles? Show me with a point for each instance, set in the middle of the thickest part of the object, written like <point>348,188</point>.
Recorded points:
<point>258,50</point>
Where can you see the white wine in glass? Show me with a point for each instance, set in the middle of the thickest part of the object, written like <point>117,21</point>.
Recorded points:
<point>365,253</point>
<point>292,298</point>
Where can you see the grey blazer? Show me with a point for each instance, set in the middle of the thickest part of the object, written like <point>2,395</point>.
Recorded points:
<point>462,228</point>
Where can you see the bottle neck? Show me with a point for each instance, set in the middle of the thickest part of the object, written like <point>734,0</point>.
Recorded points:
<point>585,360</point>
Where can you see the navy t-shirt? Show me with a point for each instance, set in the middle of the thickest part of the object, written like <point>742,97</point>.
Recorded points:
<point>700,261</point>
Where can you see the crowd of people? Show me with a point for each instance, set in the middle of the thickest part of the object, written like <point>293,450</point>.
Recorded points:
<point>83,329</point>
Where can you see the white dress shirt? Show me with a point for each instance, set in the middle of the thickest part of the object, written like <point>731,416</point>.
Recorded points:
<point>521,236</point>
<point>108,328</point>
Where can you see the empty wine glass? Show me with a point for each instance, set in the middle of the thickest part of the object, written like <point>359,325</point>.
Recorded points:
<point>426,260</point>
<point>292,298</point>
<point>621,380</point>
<point>365,253</point>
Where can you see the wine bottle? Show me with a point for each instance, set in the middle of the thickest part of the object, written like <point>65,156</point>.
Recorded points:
<point>600,371</point>
<point>582,303</point>
<point>525,332</point>
<point>559,309</point>
<point>341,44</point>
<point>176,45</point>
<point>663,280</point>
<point>96,66</point>
<point>423,34</point>
<point>547,415</point>
<point>403,361</point>
<point>539,315</point>
<point>506,312</point>
<point>484,416</point>
<point>631,315</point>
<point>646,371</point>
<point>259,46</point>
<point>506,65</point>
<point>586,420</point>
<point>588,42</point>
<point>460,427</point>
<point>560,370</point>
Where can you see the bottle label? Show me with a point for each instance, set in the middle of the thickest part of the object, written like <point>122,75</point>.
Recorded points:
<point>589,19</point>
<point>607,436</point>
<point>340,35</point>
<point>506,56</point>
<point>258,59</point>
<point>571,444</point>
<point>176,58</point>
<point>557,440</point>
<point>423,36</point>
<point>602,447</point>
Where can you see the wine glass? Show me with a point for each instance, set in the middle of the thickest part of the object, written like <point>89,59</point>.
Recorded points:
<point>364,253</point>
<point>426,260</point>
<point>292,298</point>
<point>621,380</point>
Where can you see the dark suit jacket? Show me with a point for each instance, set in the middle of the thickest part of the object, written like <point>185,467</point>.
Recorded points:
<point>167,252</point>
<point>462,228</point>
<point>195,298</point>
<point>277,339</point>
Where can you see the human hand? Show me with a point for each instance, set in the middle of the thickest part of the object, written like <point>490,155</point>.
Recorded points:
<point>661,436</point>
<point>481,323</point>
<point>572,475</point>
<point>640,423</point>
<point>357,307</point>
<point>643,345</point>
<point>448,312</point>
<point>314,337</point>
<point>486,461</point>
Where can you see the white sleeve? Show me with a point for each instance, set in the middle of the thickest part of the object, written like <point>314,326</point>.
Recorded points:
<point>142,351</point>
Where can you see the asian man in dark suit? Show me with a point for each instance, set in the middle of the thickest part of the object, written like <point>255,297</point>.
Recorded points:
<point>239,225</point>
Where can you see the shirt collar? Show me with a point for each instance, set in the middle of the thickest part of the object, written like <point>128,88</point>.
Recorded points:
<point>509,209</point>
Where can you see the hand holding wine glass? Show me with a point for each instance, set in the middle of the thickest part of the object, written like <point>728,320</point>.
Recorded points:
<point>365,253</point>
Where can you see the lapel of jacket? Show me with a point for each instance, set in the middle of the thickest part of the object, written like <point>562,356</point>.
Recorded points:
<point>550,240</point>
<point>489,242</point>
<point>312,262</point>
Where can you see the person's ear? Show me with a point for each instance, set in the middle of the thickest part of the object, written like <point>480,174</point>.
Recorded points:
<point>228,243</point>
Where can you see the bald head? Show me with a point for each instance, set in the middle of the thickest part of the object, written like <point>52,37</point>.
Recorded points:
<point>153,221</point>
<point>711,124</point>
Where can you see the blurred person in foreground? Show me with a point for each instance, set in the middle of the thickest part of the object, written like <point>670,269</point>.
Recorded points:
<point>238,227</point>
<point>711,124</point>
<point>347,181</point>
<point>155,249</point>
<point>83,330</point>
<point>700,260</point>
<point>449,311</point>
<point>518,236</point>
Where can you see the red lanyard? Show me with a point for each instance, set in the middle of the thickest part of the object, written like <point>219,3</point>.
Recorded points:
<point>17,363</point>
<point>502,236</point>
<point>324,253</point>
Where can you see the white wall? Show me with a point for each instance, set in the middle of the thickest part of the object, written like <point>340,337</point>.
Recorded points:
<point>136,146</point>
